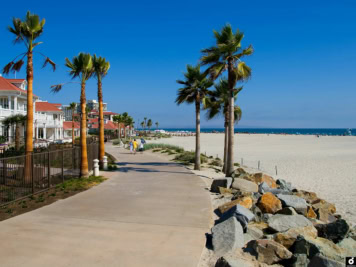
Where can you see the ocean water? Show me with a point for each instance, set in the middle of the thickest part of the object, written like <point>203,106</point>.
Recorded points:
<point>298,131</point>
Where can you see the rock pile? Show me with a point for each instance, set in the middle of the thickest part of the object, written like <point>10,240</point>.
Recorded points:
<point>276,224</point>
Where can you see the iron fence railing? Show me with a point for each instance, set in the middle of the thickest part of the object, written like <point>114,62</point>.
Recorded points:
<point>22,176</point>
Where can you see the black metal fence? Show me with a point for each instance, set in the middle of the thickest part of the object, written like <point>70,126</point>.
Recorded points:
<point>46,170</point>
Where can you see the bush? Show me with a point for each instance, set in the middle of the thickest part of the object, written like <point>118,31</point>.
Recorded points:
<point>237,164</point>
<point>164,147</point>
<point>216,162</point>
<point>189,157</point>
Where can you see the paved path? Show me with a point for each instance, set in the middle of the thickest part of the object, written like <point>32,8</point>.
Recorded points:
<point>150,213</point>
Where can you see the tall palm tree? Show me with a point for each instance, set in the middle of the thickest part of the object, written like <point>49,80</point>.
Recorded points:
<point>124,117</point>
<point>195,90</point>
<point>73,107</point>
<point>156,124</point>
<point>149,124</point>
<point>101,68</point>
<point>27,31</point>
<point>118,120</point>
<point>129,122</point>
<point>218,103</point>
<point>17,120</point>
<point>226,55</point>
<point>81,66</point>
<point>145,119</point>
<point>142,124</point>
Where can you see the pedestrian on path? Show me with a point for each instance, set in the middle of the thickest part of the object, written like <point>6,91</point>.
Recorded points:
<point>131,146</point>
<point>135,146</point>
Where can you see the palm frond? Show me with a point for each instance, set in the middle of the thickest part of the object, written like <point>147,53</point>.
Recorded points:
<point>48,60</point>
<point>17,66</point>
<point>8,67</point>
<point>56,88</point>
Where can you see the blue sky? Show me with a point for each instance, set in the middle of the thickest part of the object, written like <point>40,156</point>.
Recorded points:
<point>304,71</point>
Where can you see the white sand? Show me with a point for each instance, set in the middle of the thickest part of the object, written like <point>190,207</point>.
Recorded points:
<point>325,165</point>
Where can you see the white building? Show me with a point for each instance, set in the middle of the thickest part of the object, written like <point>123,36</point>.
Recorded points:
<point>47,118</point>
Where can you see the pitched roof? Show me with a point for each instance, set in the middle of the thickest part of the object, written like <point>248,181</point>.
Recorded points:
<point>67,125</point>
<point>16,80</point>
<point>45,106</point>
<point>109,125</point>
<point>6,85</point>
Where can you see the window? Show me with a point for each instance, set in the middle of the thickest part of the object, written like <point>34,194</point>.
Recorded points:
<point>4,103</point>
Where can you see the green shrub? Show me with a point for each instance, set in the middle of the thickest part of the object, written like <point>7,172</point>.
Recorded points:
<point>216,162</point>
<point>163,146</point>
<point>189,157</point>
<point>237,164</point>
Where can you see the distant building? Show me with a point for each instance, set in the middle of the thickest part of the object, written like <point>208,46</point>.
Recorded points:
<point>94,105</point>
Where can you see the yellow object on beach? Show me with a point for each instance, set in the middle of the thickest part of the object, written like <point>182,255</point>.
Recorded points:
<point>135,144</point>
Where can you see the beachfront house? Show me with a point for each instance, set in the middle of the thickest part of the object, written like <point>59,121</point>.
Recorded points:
<point>47,119</point>
<point>13,100</point>
<point>67,129</point>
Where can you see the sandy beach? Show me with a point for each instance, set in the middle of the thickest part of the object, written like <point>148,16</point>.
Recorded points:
<point>325,165</point>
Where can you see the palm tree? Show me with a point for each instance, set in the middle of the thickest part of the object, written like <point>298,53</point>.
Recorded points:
<point>27,31</point>
<point>101,68</point>
<point>118,120</point>
<point>149,124</point>
<point>145,119</point>
<point>81,66</point>
<point>16,120</point>
<point>218,103</point>
<point>142,124</point>
<point>226,55</point>
<point>130,122</point>
<point>124,117</point>
<point>73,107</point>
<point>194,91</point>
<point>156,124</point>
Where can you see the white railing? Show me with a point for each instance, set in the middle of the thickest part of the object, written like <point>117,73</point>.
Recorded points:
<point>39,119</point>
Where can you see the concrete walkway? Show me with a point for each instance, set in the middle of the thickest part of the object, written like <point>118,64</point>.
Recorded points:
<point>150,213</point>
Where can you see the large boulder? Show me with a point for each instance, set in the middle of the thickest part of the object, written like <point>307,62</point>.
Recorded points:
<point>264,188</point>
<point>288,238</point>
<point>284,185</point>
<point>309,197</point>
<point>227,236</point>
<point>348,244</point>
<point>335,231</point>
<point>321,261</point>
<point>268,203</point>
<point>241,214</point>
<point>253,232</point>
<point>282,223</point>
<point>231,260</point>
<point>244,185</point>
<point>244,201</point>
<point>297,203</point>
<point>260,177</point>
<point>268,251</point>
<point>322,204</point>
<point>221,182</point>
<point>313,246</point>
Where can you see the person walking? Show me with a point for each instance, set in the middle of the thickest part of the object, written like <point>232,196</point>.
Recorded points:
<point>131,146</point>
<point>135,146</point>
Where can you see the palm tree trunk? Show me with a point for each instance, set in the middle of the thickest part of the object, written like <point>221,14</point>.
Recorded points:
<point>225,141</point>
<point>29,121</point>
<point>17,136</point>
<point>83,135</point>
<point>230,152</point>
<point>197,135</point>
<point>101,124</point>
<point>72,130</point>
